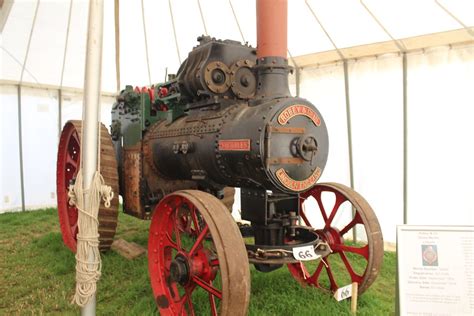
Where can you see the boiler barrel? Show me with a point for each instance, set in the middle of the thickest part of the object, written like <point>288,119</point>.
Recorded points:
<point>278,145</point>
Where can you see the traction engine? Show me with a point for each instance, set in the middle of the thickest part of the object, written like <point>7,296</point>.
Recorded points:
<point>177,150</point>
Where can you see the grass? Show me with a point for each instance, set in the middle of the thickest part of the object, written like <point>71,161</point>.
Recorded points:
<point>37,277</point>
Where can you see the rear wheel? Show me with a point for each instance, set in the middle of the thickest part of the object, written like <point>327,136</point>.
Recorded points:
<point>69,154</point>
<point>196,257</point>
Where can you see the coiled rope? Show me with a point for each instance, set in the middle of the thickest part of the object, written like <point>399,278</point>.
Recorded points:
<point>88,261</point>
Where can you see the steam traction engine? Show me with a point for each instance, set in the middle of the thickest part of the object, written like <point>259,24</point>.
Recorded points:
<point>176,150</point>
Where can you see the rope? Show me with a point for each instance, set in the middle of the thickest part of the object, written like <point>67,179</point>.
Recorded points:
<point>202,18</point>
<point>65,45</point>
<point>29,42</point>
<point>237,21</point>
<point>146,44</point>
<point>88,262</point>
<point>174,31</point>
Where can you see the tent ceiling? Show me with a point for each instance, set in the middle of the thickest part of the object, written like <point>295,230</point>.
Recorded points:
<point>348,22</point>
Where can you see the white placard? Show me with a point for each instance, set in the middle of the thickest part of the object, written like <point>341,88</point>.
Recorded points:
<point>343,292</point>
<point>305,253</point>
<point>435,270</point>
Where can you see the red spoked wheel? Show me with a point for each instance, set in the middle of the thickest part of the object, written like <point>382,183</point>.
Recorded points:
<point>69,154</point>
<point>196,257</point>
<point>328,208</point>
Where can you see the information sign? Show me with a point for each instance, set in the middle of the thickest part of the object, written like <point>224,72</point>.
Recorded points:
<point>435,270</point>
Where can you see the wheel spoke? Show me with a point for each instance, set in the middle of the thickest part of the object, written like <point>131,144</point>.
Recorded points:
<point>195,219</point>
<point>317,196</point>
<point>199,240</point>
<point>331,276</point>
<point>302,270</point>
<point>208,287</point>
<point>212,301</point>
<point>71,161</point>
<point>189,301</point>
<point>353,222</point>
<point>175,292</point>
<point>303,215</point>
<point>314,279</point>
<point>339,200</point>
<point>363,251</point>
<point>75,137</point>
<point>178,237</point>
<point>171,243</point>
<point>354,276</point>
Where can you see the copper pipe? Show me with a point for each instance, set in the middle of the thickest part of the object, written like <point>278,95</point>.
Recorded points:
<point>272,20</point>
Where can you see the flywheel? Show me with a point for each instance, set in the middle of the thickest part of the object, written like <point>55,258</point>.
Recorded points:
<point>69,155</point>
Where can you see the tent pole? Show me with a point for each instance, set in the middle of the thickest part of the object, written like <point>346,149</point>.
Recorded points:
<point>117,43</point>
<point>20,147</point>
<point>405,139</point>
<point>92,86</point>
<point>297,80</point>
<point>60,110</point>
<point>349,135</point>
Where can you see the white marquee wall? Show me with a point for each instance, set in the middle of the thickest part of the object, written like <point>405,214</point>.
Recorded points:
<point>40,140</point>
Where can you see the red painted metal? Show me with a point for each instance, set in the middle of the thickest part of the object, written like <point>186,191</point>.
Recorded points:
<point>190,236</point>
<point>234,145</point>
<point>68,163</point>
<point>272,32</point>
<point>67,167</point>
<point>176,221</point>
<point>372,251</point>
<point>163,92</point>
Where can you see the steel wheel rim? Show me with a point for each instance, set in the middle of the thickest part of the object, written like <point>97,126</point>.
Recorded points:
<point>204,257</point>
<point>372,251</point>
<point>68,164</point>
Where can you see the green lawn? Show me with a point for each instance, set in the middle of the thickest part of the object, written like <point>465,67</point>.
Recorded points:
<point>37,277</point>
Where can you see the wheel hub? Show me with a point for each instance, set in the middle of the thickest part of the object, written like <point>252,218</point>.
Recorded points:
<point>179,270</point>
<point>331,235</point>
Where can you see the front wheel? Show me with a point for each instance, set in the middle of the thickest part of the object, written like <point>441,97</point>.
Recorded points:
<point>334,210</point>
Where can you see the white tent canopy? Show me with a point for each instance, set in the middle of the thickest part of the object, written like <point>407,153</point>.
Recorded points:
<point>348,22</point>
<point>43,51</point>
